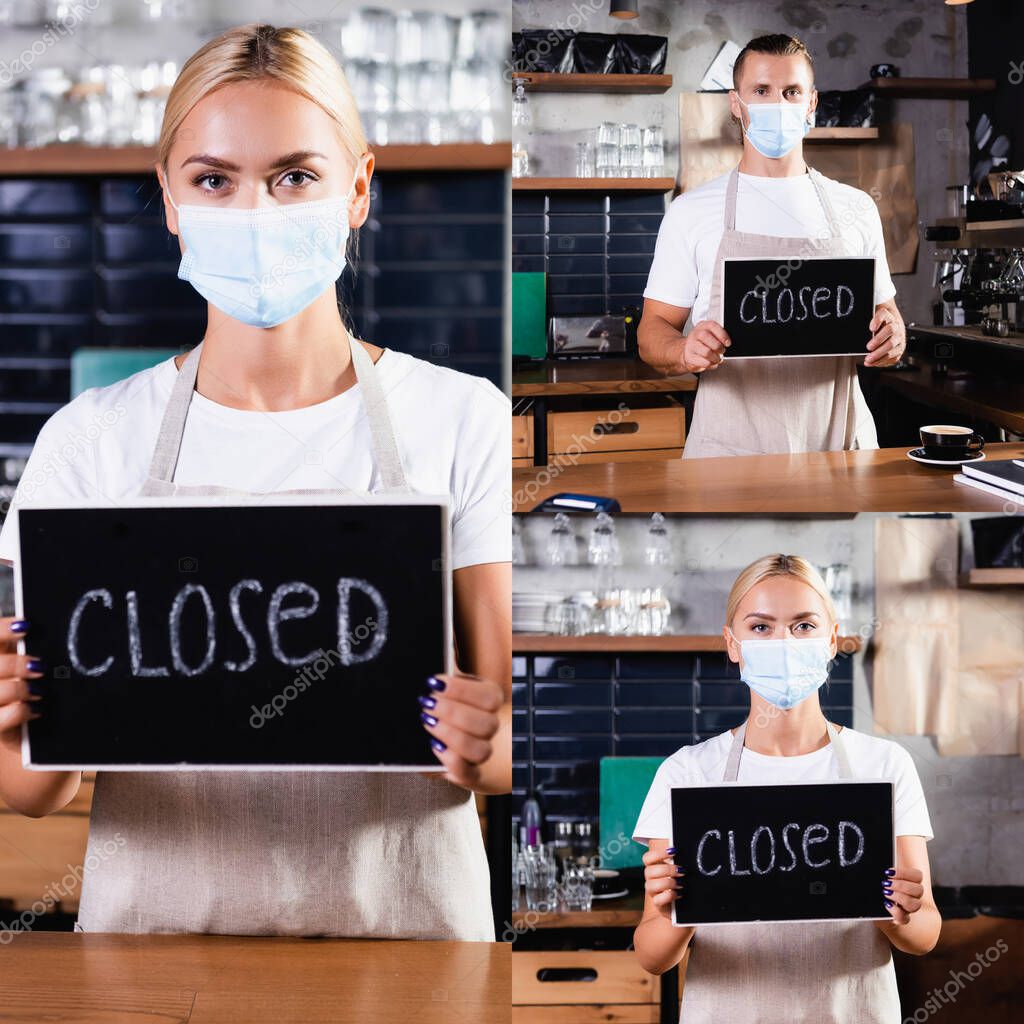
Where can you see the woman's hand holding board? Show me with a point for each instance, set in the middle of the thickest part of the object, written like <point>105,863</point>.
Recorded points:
<point>461,715</point>
<point>16,697</point>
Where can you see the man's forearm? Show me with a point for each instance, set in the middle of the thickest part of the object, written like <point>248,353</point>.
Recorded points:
<point>660,344</point>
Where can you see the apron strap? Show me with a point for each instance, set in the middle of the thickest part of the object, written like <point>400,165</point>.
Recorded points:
<point>730,199</point>
<point>385,448</point>
<point>732,765</point>
<point>826,203</point>
<point>172,426</point>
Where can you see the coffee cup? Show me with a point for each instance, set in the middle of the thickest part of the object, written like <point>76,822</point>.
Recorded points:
<point>950,443</point>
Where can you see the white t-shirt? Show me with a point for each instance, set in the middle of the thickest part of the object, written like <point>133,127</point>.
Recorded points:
<point>871,757</point>
<point>684,257</point>
<point>453,432</point>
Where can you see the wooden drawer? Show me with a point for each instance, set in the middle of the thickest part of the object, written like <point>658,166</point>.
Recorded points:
<point>581,977</point>
<point>522,437</point>
<point>585,432</point>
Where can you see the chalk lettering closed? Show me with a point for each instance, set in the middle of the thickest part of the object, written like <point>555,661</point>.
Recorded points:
<point>816,845</point>
<point>781,305</point>
<point>95,611</point>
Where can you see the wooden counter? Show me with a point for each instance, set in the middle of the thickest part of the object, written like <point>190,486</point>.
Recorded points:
<point>881,480</point>
<point>594,377</point>
<point>212,979</point>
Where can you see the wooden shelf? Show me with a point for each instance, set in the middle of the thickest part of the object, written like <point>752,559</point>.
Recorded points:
<point>932,88</point>
<point>992,578</point>
<point>593,184</point>
<point>546,81</point>
<point>838,134</point>
<point>74,159</point>
<point>545,643</point>
<point>623,912</point>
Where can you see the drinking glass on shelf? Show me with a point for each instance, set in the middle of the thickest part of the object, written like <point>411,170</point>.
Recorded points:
<point>540,871</point>
<point>607,162</point>
<point>520,160</point>
<point>658,548</point>
<point>561,548</point>
<point>653,151</point>
<point>578,886</point>
<point>603,547</point>
<point>652,612</point>
<point>584,160</point>
<point>521,116</point>
<point>518,549</point>
<point>839,581</point>
<point>608,134</point>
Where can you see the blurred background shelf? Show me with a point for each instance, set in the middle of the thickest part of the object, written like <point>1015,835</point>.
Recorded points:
<point>546,81</point>
<point>993,578</point>
<point>548,643</point>
<point>932,88</point>
<point>75,159</point>
<point>593,184</point>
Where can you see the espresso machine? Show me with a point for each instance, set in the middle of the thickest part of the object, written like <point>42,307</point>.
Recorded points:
<point>980,287</point>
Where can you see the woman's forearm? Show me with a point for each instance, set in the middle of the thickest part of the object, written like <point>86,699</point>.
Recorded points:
<point>918,936</point>
<point>659,944</point>
<point>33,794</point>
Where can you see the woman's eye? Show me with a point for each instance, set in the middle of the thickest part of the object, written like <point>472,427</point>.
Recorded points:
<point>759,627</point>
<point>296,179</point>
<point>211,182</point>
<point>804,627</point>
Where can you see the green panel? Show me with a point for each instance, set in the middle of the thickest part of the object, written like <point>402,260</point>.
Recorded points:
<point>98,367</point>
<point>624,784</point>
<point>529,315</point>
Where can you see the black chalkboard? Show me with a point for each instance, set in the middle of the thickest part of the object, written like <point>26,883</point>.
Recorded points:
<point>139,679</point>
<point>812,307</point>
<point>714,828</point>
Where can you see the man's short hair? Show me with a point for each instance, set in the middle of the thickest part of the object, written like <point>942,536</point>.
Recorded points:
<point>775,45</point>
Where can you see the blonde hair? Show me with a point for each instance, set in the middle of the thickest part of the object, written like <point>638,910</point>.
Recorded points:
<point>771,566</point>
<point>252,53</point>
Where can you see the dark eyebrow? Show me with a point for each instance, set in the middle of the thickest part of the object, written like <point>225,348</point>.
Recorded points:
<point>771,618</point>
<point>225,165</point>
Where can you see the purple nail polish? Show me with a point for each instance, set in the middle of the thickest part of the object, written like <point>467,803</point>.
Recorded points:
<point>427,701</point>
<point>436,684</point>
<point>428,719</point>
<point>437,744</point>
<point>887,891</point>
<point>888,904</point>
<point>890,872</point>
<point>671,849</point>
<point>19,625</point>
<point>34,665</point>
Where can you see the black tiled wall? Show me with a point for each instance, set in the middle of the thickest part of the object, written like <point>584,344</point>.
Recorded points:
<point>596,249</point>
<point>88,261</point>
<point>571,711</point>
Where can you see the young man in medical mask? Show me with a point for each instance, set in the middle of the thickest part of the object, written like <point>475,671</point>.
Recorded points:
<point>771,206</point>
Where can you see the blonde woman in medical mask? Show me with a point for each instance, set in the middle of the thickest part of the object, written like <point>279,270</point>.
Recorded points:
<point>781,630</point>
<point>265,170</point>
<point>771,206</point>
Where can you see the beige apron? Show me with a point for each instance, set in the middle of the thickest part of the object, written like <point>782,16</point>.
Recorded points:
<point>793,404</point>
<point>834,972</point>
<point>367,854</point>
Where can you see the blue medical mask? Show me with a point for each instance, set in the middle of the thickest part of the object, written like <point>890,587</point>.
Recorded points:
<point>775,128</point>
<point>787,671</point>
<point>263,266</point>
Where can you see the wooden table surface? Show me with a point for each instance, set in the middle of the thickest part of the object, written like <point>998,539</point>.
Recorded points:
<point>880,480</point>
<point>594,376</point>
<point>213,979</point>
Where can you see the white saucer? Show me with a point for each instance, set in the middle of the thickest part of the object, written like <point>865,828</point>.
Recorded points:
<point>943,462</point>
<point>611,895</point>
